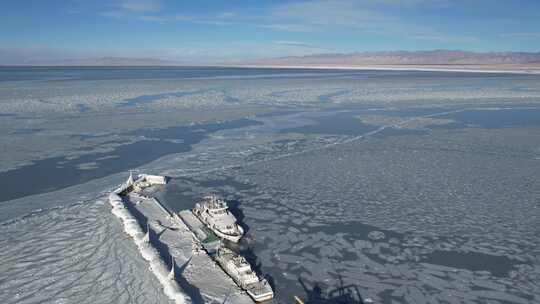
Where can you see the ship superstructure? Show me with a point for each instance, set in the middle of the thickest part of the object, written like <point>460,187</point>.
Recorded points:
<point>238,268</point>
<point>214,213</point>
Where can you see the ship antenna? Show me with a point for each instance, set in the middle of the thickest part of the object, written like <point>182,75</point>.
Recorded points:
<point>171,273</point>
<point>130,180</point>
<point>147,235</point>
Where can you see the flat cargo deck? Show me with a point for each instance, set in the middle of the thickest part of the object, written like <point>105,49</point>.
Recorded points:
<point>204,235</point>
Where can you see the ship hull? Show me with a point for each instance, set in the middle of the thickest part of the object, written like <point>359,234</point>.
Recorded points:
<point>232,238</point>
<point>261,298</point>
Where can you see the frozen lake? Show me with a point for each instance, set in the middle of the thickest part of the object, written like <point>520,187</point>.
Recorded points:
<point>402,187</point>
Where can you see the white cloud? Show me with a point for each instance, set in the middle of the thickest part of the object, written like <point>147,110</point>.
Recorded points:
<point>403,3</point>
<point>361,17</point>
<point>522,35</point>
<point>145,6</point>
<point>208,19</point>
<point>288,27</point>
<point>154,19</point>
<point>443,38</point>
<point>350,17</point>
<point>116,14</point>
<point>298,44</point>
<point>134,8</point>
<point>324,15</point>
<point>303,16</point>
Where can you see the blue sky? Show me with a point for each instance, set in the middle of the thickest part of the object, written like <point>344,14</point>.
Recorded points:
<point>213,31</point>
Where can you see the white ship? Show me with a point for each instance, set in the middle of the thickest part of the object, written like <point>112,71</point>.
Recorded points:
<point>240,271</point>
<point>214,213</point>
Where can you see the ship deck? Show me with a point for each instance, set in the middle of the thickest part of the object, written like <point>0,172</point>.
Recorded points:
<point>196,272</point>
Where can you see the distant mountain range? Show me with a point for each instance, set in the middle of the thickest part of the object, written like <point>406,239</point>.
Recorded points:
<point>104,61</point>
<point>440,59</point>
<point>436,57</point>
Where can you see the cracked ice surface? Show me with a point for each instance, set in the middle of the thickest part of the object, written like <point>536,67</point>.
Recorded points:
<point>390,214</point>
<point>74,116</point>
<point>76,254</point>
<point>357,208</point>
<point>402,217</point>
<point>403,186</point>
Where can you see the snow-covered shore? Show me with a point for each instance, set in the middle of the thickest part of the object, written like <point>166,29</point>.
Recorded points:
<point>73,254</point>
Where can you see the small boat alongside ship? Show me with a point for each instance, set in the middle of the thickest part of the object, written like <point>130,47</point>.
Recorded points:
<point>214,213</point>
<point>238,268</point>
